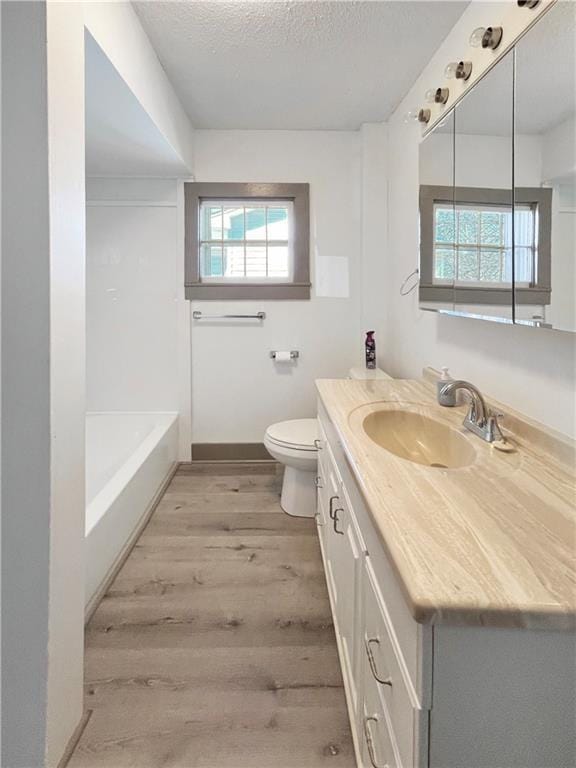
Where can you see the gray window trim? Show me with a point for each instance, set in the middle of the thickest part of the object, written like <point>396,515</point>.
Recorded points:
<point>298,194</point>
<point>537,294</point>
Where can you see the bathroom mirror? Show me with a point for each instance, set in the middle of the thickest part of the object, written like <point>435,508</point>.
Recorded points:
<point>437,219</point>
<point>466,248</point>
<point>545,172</point>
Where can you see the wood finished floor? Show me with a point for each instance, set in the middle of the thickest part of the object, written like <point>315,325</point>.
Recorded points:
<point>214,646</point>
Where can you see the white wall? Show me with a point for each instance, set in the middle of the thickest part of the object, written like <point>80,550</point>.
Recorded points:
<point>531,369</point>
<point>237,391</point>
<point>559,151</point>
<point>118,32</point>
<point>135,299</point>
<point>65,34</point>
<point>25,385</point>
<point>43,379</point>
<point>374,200</point>
<point>43,353</point>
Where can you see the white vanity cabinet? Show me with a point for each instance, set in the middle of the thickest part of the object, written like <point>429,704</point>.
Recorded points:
<point>343,552</point>
<point>501,697</point>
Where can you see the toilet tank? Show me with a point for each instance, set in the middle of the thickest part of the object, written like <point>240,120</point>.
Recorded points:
<point>367,373</point>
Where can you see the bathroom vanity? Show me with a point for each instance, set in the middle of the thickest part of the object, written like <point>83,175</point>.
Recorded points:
<point>450,569</point>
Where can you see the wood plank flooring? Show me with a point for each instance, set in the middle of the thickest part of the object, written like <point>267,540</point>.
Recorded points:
<point>214,646</point>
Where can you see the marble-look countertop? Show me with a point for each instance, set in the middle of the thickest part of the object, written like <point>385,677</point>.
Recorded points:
<point>492,543</point>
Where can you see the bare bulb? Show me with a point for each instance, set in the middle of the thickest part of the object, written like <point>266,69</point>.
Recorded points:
<point>450,71</point>
<point>430,95</point>
<point>461,70</point>
<point>412,116</point>
<point>476,37</point>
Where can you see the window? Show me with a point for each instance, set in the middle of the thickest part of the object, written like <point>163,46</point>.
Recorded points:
<point>473,244</point>
<point>247,241</point>
<point>470,243</point>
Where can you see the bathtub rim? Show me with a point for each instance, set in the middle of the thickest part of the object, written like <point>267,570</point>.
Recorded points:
<point>110,492</point>
<point>122,556</point>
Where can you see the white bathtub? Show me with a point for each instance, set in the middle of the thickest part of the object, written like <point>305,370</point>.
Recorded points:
<point>128,458</point>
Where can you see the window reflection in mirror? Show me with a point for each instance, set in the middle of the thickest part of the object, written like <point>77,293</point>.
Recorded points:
<point>466,254</point>
<point>483,196</point>
<point>545,158</point>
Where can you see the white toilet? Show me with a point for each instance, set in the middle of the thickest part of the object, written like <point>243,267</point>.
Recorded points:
<point>292,443</point>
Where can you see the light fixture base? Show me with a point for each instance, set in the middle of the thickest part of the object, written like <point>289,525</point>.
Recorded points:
<point>463,70</point>
<point>441,95</point>
<point>424,115</point>
<point>492,37</point>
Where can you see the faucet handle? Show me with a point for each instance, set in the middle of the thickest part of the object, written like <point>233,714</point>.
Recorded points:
<point>493,427</point>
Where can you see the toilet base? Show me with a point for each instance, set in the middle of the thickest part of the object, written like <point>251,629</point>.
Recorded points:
<point>298,493</point>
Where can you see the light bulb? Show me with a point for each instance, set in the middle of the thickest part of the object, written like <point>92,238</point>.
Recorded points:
<point>486,37</point>
<point>461,70</point>
<point>476,37</point>
<point>437,95</point>
<point>450,71</point>
<point>412,116</point>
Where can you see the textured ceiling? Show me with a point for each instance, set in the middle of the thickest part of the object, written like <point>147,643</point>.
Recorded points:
<point>294,65</point>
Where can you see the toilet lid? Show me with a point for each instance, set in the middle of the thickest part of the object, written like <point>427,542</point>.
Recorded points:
<point>297,433</point>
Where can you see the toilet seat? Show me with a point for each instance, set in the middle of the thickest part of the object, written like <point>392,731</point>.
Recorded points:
<point>296,434</point>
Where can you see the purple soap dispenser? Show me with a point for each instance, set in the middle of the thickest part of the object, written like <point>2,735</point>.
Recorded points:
<point>370,349</point>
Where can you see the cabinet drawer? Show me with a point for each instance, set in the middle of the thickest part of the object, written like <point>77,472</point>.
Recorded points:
<point>387,670</point>
<point>378,748</point>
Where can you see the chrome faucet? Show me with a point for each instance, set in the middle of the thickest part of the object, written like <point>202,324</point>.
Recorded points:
<point>480,419</point>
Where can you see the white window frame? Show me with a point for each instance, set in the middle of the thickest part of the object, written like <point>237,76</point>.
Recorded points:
<point>252,203</point>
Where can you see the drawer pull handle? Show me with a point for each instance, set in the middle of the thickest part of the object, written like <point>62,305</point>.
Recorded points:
<point>318,444</point>
<point>318,481</point>
<point>370,742</point>
<point>367,643</point>
<point>332,500</point>
<point>335,519</point>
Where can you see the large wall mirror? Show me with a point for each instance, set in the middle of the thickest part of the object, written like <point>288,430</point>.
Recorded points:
<point>437,218</point>
<point>545,160</point>
<point>497,188</point>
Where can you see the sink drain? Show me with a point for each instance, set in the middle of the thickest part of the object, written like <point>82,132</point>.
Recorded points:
<point>440,466</point>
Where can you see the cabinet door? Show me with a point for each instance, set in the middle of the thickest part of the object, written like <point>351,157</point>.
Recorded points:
<point>328,484</point>
<point>346,552</point>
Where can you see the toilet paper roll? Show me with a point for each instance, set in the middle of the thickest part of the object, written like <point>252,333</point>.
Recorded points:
<point>283,357</point>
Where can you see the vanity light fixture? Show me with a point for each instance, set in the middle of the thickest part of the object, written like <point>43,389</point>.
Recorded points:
<point>486,37</point>
<point>418,115</point>
<point>424,115</point>
<point>528,3</point>
<point>437,95</point>
<point>461,70</point>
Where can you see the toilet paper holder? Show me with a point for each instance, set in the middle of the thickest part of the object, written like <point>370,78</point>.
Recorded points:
<point>294,354</point>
